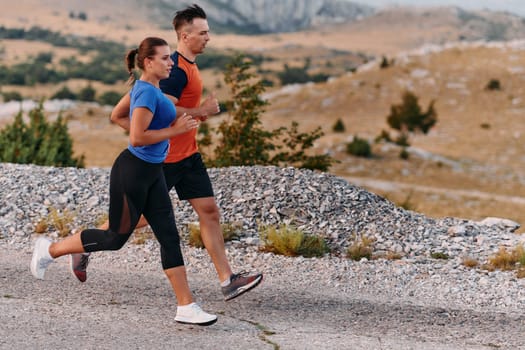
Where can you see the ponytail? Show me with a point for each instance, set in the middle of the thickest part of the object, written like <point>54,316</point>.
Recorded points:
<point>130,64</point>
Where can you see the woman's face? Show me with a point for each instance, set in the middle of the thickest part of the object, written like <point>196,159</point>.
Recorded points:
<point>160,64</point>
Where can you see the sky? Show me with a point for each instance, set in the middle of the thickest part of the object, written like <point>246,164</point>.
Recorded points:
<point>513,6</point>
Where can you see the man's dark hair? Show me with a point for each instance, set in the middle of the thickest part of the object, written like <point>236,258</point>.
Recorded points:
<point>187,15</point>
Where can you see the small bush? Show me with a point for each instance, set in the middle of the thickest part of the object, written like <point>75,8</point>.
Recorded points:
<point>229,233</point>
<point>290,241</point>
<point>339,126</point>
<point>384,136</point>
<point>403,154</point>
<point>12,96</point>
<point>508,259</point>
<point>61,221</point>
<point>140,236</point>
<point>359,148</point>
<point>41,226</point>
<point>361,247</point>
<point>493,84</point>
<point>110,98</point>
<point>439,255</point>
<point>470,262</point>
<point>402,140</point>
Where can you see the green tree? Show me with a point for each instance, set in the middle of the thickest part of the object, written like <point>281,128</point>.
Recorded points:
<point>87,94</point>
<point>64,94</point>
<point>38,142</point>
<point>408,116</point>
<point>109,98</point>
<point>241,138</point>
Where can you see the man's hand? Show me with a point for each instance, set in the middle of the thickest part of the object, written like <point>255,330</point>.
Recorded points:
<point>209,107</point>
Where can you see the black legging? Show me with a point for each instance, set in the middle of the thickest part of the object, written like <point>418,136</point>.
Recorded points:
<point>137,187</point>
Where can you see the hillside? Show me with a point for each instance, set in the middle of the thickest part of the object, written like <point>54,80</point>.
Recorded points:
<point>468,166</point>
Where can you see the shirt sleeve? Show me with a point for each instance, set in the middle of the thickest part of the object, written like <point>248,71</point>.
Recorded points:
<point>146,98</point>
<point>176,82</point>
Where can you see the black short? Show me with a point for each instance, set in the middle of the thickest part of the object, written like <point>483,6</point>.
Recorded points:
<point>189,177</point>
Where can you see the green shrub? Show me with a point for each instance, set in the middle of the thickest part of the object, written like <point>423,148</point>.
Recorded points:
<point>38,142</point>
<point>243,141</point>
<point>439,255</point>
<point>110,98</point>
<point>408,117</point>
<point>359,147</point>
<point>339,126</point>
<point>12,96</point>
<point>403,154</point>
<point>493,84</point>
<point>64,94</point>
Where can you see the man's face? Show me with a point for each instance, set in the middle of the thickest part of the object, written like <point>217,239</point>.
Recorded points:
<point>196,35</point>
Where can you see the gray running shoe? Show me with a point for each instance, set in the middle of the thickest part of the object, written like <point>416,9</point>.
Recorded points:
<point>240,283</point>
<point>78,264</point>
<point>41,258</point>
<point>193,314</point>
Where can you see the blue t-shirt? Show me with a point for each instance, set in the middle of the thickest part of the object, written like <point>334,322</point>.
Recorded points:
<point>143,94</point>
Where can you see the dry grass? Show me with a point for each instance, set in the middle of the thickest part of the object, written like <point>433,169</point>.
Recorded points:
<point>290,241</point>
<point>61,221</point>
<point>361,247</point>
<point>470,262</point>
<point>506,259</point>
<point>230,231</point>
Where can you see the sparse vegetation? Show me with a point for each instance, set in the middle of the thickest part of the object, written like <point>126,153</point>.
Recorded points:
<point>339,126</point>
<point>506,259</point>
<point>493,85</point>
<point>361,247</point>
<point>289,241</point>
<point>230,231</point>
<point>61,221</point>
<point>141,235</point>
<point>359,147</point>
<point>407,117</point>
<point>439,256</point>
<point>470,262</point>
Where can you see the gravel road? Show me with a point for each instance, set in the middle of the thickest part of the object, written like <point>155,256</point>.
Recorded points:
<point>127,304</point>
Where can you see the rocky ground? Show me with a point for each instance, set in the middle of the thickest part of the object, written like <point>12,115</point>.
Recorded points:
<point>415,302</point>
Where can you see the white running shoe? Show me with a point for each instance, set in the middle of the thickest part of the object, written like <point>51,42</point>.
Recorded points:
<point>193,314</point>
<point>41,258</point>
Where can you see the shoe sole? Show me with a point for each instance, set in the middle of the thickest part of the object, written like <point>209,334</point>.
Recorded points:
<point>72,270</point>
<point>208,323</point>
<point>244,289</point>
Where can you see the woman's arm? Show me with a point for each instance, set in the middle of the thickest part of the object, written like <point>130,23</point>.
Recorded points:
<point>120,114</point>
<point>139,135</point>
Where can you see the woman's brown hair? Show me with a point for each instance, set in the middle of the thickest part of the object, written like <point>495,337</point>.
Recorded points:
<point>135,57</point>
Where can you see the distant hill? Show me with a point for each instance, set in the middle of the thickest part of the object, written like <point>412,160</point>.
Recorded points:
<point>266,16</point>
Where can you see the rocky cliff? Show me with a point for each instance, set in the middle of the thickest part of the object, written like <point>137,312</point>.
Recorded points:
<point>269,16</point>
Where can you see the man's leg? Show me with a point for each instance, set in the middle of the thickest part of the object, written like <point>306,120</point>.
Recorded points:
<point>211,234</point>
<point>232,285</point>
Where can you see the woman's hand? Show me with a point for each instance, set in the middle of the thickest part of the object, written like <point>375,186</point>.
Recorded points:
<point>183,124</point>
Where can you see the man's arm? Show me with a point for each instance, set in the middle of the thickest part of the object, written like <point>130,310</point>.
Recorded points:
<point>209,107</point>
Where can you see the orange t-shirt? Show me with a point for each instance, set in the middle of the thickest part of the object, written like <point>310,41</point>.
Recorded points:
<point>184,83</point>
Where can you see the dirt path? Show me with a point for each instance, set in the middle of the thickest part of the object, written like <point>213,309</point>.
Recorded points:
<point>393,185</point>
<point>126,307</point>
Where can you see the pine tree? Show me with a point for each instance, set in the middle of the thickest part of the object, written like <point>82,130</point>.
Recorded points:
<point>38,142</point>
